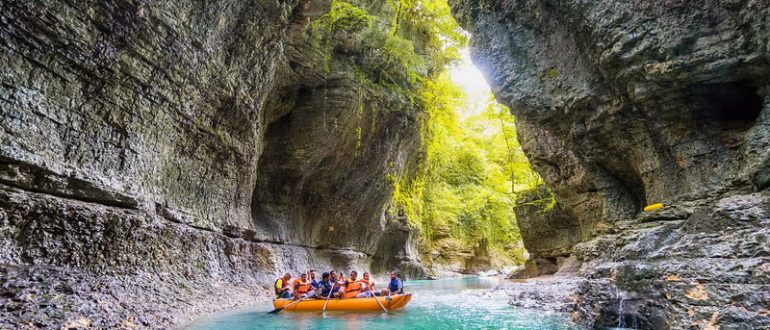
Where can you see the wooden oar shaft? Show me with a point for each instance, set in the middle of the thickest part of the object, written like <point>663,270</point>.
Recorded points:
<point>377,300</point>
<point>327,298</point>
<point>282,308</point>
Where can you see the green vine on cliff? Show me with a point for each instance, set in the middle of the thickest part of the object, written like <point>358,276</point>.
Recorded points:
<point>342,17</point>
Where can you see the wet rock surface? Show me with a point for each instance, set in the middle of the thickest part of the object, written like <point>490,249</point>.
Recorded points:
<point>621,104</point>
<point>709,269</point>
<point>705,270</point>
<point>548,293</point>
<point>107,265</point>
<point>548,230</point>
<point>398,249</point>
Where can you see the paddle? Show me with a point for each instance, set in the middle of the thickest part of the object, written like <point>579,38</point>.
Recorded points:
<point>327,298</point>
<point>379,303</point>
<point>377,300</point>
<point>281,308</point>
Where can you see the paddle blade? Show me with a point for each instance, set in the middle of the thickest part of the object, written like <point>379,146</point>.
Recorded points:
<point>275,311</point>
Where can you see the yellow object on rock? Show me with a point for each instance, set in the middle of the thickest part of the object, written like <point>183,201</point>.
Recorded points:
<point>653,207</point>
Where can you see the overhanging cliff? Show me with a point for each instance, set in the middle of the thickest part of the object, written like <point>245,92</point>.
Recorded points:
<point>159,160</point>
<point>621,104</point>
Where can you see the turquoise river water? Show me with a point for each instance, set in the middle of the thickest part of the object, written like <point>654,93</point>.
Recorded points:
<point>463,303</point>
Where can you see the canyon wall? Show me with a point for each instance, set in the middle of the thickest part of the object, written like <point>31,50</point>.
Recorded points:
<point>162,159</point>
<point>621,104</point>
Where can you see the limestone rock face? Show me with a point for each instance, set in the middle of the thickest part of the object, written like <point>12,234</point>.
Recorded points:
<point>331,137</point>
<point>547,230</point>
<point>707,268</point>
<point>398,249</point>
<point>162,159</point>
<point>621,104</point>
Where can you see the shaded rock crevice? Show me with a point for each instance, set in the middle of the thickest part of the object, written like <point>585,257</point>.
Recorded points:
<point>41,180</point>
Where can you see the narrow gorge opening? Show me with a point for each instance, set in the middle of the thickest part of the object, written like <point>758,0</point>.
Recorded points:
<point>463,198</point>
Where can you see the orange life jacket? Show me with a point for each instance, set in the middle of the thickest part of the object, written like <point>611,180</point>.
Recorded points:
<point>352,289</point>
<point>367,282</point>
<point>301,287</point>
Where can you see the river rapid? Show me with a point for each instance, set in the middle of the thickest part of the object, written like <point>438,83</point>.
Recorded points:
<point>460,303</point>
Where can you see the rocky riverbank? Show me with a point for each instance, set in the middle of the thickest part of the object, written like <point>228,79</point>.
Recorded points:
<point>546,293</point>
<point>39,296</point>
<point>701,263</point>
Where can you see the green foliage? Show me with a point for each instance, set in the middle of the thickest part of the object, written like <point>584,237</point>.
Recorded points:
<point>404,43</point>
<point>432,20</point>
<point>402,51</point>
<point>398,65</point>
<point>473,170</point>
<point>344,16</point>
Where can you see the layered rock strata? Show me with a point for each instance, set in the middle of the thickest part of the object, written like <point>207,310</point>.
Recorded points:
<point>621,104</point>
<point>163,159</point>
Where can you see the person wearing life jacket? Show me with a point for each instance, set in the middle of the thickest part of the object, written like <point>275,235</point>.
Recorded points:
<point>353,287</point>
<point>301,287</point>
<point>368,281</point>
<point>313,284</point>
<point>341,278</point>
<point>282,287</point>
<point>367,284</point>
<point>396,285</point>
<point>341,281</point>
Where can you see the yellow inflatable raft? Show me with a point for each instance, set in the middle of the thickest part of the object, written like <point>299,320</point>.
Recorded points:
<point>347,305</point>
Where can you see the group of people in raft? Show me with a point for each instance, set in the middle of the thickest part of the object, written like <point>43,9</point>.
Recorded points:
<point>333,285</point>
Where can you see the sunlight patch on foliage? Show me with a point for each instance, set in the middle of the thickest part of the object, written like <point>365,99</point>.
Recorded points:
<point>474,169</point>
<point>344,16</point>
